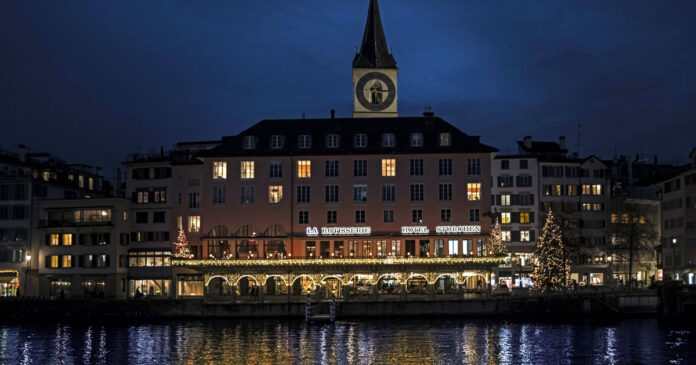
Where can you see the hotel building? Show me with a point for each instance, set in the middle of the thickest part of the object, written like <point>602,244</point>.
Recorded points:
<point>373,197</point>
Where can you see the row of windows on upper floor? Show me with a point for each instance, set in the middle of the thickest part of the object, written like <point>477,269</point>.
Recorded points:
<point>571,171</point>
<point>275,194</point>
<point>674,185</point>
<point>360,140</point>
<point>331,168</point>
<point>360,215</point>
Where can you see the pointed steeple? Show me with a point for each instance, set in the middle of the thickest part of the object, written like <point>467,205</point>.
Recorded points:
<point>373,51</point>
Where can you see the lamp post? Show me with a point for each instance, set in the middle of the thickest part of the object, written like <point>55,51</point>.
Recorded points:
<point>674,257</point>
<point>26,274</point>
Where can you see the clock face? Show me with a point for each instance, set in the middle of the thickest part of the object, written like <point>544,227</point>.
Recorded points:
<point>375,91</point>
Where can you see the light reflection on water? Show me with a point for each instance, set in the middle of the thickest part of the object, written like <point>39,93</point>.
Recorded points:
<point>402,342</point>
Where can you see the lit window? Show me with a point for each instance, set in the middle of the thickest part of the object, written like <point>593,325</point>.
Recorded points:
<point>54,261</point>
<point>505,218</point>
<point>445,139</point>
<point>558,190</point>
<point>525,236</point>
<point>249,142</point>
<point>304,141</point>
<point>67,239</point>
<point>506,236</point>
<point>388,140</point>
<point>388,167</point>
<point>360,140</point>
<point>332,140</point>
<point>46,175</point>
<point>194,223</point>
<point>597,189</point>
<point>473,191</point>
<point>247,169</point>
<point>524,217</point>
<point>304,168</point>
<point>614,218</point>
<point>81,181</point>
<point>90,183</point>
<point>67,261</point>
<point>277,142</point>
<point>275,194</point>
<point>416,139</point>
<point>71,177</point>
<point>55,239</point>
<point>572,190</point>
<point>219,170</point>
<point>505,200</point>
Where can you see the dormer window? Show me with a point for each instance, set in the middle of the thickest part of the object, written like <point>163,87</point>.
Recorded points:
<point>445,139</point>
<point>416,139</point>
<point>304,141</point>
<point>277,142</point>
<point>332,141</point>
<point>388,140</point>
<point>249,142</point>
<point>360,140</point>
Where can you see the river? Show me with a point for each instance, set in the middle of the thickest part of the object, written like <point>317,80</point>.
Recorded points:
<point>389,341</point>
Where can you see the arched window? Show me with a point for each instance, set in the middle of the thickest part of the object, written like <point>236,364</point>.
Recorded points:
<point>218,231</point>
<point>376,93</point>
<point>246,231</point>
<point>275,230</point>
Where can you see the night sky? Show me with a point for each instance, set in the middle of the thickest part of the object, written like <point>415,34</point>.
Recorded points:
<point>92,81</point>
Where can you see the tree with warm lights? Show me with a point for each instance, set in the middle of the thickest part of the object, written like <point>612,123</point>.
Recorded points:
<point>181,247</point>
<point>496,245</point>
<point>551,265</point>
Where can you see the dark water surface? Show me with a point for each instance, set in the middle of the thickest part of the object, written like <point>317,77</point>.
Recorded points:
<point>393,341</point>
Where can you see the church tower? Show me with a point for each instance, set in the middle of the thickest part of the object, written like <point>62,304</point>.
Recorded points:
<point>374,72</point>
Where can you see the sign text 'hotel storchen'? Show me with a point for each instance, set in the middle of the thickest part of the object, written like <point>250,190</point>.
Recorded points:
<point>457,229</point>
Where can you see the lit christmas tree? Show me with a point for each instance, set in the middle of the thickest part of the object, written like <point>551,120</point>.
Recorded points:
<point>496,245</point>
<point>551,267</point>
<point>181,248</point>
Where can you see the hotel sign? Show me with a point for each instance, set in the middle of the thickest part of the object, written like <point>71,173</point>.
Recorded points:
<point>339,231</point>
<point>414,230</point>
<point>457,229</point>
<point>345,231</point>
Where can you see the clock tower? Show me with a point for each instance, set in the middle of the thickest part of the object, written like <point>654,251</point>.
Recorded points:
<point>374,72</point>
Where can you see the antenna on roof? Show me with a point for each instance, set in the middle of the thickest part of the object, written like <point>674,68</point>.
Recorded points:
<point>356,49</point>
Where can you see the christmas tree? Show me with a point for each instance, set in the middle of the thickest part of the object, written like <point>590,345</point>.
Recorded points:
<point>496,245</point>
<point>181,248</point>
<point>551,267</point>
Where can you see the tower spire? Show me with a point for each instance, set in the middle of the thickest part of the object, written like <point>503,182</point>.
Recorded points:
<point>373,50</point>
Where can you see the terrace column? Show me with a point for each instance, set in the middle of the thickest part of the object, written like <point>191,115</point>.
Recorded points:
<point>289,293</point>
<point>460,291</point>
<point>346,293</point>
<point>403,292</point>
<point>233,293</point>
<point>260,293</point>
<point>431,292</point>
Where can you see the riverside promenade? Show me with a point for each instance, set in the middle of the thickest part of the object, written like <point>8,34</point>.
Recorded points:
<point>581,303</point>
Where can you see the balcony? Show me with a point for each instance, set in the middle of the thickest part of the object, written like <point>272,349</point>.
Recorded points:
<point>55,223</point>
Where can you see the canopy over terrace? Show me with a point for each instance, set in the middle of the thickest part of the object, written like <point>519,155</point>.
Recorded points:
<point>344,270</point>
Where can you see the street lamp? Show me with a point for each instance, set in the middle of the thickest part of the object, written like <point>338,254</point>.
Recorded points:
<point>674,257</point>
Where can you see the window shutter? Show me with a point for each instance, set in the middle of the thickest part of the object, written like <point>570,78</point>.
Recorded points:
<point>531,235</point>
<point>150,196</point>
<point>515,217</point>
<point>107,238</point>
<point>531,217</point>
<point>515,199</point>
<point>107,262</point>
<point>95,238</point>
<point>81,261</point>
<point>515,236</point>
<point>497,200</point>
<point>531,199</point>
<point>47,261</point>
<point>134,197</point>
<point>48,241</point>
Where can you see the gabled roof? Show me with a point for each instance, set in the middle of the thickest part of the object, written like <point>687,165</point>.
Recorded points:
<point>346,129</point>
<point>541,147</point>
<point>373,50</point>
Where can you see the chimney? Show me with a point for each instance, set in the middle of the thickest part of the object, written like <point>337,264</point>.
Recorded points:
<point>22,149</point>
<point>527,142</point>
<point>333,114</point>
<point>428,111</point>
<point>561,142</point>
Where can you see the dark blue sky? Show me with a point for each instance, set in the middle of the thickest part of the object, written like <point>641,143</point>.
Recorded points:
<point>92,81</point>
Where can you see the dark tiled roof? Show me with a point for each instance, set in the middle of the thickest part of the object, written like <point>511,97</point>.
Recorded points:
<point>373,50</point>
<point>346,128</point>
<point>541,147</point>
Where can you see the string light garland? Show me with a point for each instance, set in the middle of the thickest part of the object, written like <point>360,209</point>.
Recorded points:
<point>344,261</point>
